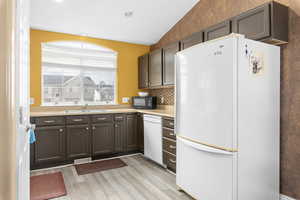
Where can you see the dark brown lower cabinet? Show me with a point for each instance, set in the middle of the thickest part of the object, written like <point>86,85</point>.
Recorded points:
<point>131,136</point>
<point>169,144</point>
<point>103,135</point>
<point>50,145</point>
<point>103,139</point>
<point>140,131</point>
<point>78,141</point>
<point>120,135</point>
<point>169,160</point>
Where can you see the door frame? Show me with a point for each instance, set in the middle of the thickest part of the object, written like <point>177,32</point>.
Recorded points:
<point>9,115</point>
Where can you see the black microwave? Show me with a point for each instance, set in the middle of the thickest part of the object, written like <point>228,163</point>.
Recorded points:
<point>148,102</point>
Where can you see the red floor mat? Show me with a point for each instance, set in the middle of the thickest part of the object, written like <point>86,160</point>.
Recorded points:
<point>99,166</point>
<point>47,186</point>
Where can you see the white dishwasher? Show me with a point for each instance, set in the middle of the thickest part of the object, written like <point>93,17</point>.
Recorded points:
<point>153,138</point>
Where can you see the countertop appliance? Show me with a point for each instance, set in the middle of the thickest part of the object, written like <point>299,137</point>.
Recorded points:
<point>227,119</point>
<point>153,138</point>
<point>146,102</point>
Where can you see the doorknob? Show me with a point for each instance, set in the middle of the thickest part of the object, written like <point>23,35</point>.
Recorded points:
<point>30,127</point>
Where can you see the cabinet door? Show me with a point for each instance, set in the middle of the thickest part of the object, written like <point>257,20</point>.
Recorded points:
<point>140,131</point>
<point>50,145</point>
<point>120,135</point>
<point>169,63</point>
<point>78,141</point>
<point>218,30</point>
<point>143,71</point>
<point>155,68</point>
<point>103,139</point>
<point>254,24</point>
<point>132,137</point>
<point>192,40</point>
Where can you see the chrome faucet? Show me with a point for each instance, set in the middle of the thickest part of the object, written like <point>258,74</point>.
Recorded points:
<point>85,107</point>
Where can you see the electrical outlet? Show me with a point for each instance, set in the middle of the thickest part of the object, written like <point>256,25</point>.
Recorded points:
<point>31,101</point>
<point>162,99</point>
<point>125,100</point>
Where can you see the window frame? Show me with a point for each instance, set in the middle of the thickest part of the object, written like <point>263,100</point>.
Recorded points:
<point>81,103</point>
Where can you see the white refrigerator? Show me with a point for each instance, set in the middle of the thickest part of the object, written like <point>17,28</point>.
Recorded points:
<point>227,120</point>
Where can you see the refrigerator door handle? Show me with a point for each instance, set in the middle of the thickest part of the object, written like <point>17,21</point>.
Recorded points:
<point>201,147</point>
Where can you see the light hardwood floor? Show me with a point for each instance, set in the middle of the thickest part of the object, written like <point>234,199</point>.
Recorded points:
<point>140,180</point>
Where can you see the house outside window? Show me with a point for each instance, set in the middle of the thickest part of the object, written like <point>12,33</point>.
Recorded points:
<point>77,73</point>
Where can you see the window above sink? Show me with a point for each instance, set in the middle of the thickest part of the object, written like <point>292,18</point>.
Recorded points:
<point>77,73</point>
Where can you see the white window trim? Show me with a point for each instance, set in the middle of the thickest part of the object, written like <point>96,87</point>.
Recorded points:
<point>81,103</point>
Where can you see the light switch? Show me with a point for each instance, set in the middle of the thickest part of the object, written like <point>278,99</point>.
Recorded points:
<point>31,101</point>
<point>125,100</point>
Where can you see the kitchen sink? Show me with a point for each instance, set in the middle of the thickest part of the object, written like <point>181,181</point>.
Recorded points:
<point>87,111</point>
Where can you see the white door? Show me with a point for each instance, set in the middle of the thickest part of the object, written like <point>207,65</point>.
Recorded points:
<point>206,173</point>
<point>22,97</point>
<point>206,82</point>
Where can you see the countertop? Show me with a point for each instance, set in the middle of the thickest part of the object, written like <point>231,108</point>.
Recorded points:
<point>159,112</point>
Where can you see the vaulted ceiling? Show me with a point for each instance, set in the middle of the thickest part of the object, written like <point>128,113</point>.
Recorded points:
<point>135,21</point>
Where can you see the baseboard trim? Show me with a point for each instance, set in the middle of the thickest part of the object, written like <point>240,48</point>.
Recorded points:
<point>284,197</point>
<point>72,164</point>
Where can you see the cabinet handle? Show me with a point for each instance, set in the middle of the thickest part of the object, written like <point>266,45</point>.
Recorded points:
<point>172,161</point>
<point>171,134</point>
<point>94,128</point>
<point>49,121</point>
<point>77,120</point>
<point>61,130</point>
<point>171,124</point>
<point>87,128</point>
<point>172,147</point>
<point>101,118</point>
<point>116,126</point>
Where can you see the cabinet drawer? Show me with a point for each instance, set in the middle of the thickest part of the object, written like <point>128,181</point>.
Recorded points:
<point>119,117</point>
<point>48,121</point>
<point>170,161</point>
<point>78,120</point>
<point>102,118</point>
<point>169,146</point>
<point>169,133</point>
<point>169,123</point>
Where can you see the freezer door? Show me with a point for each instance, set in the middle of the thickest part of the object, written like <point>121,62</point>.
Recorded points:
<point>206,173</point>
<point>206,85</point>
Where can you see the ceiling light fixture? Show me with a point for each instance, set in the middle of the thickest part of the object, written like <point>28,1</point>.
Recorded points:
<point>59,1</point>
<point>128,14</point>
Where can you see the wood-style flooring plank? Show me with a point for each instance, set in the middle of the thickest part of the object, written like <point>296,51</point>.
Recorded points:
<point>140,180</point>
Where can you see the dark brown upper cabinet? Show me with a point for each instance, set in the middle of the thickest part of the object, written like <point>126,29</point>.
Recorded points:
<point>219,30</point>
<point>103,139</point>
<point>268,22</point>
<point>169,63</point>
<point>132,134</point>
<point>192,40</point>
<point>155,68</point>
<point>50,144</point>
<point>78,141</point>
<point>143,70</point>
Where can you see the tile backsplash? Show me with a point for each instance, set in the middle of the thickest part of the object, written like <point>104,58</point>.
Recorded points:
<point>165,96</point>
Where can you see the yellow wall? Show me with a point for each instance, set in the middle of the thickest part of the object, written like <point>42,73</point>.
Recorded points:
<point>127,61</point>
